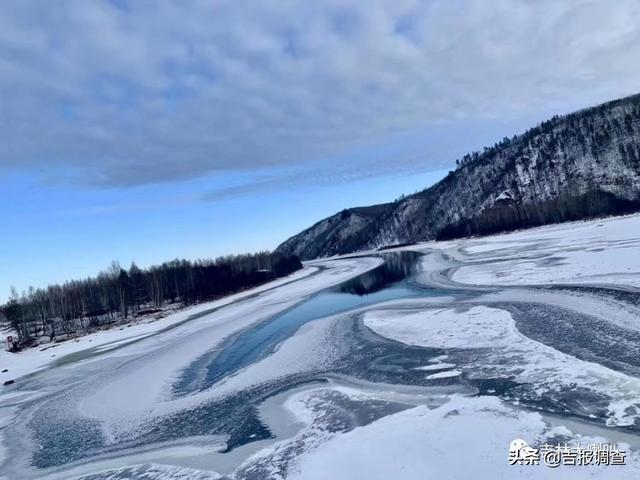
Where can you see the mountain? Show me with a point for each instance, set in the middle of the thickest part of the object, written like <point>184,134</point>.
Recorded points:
<point>580,165</point>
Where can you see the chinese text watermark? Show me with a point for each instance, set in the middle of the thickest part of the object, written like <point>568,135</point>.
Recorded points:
<point>563,454</point>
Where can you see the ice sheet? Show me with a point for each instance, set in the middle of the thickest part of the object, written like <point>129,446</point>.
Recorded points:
<point>508,353</point>
<point>601,251</point>
<point>465,438</point>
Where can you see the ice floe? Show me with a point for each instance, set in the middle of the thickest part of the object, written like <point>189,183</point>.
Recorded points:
<point>507,353</point>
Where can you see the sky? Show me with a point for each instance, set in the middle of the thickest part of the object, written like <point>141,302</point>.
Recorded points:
<point>150,130</point>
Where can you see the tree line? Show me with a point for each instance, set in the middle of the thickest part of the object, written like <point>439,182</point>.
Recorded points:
<point>563,208</point>
<point>116,294</point>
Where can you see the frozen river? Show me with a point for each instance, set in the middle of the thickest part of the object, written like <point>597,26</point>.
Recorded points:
<point>352,366</point>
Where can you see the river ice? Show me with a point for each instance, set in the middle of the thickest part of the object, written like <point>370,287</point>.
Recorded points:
<point>532,335</point>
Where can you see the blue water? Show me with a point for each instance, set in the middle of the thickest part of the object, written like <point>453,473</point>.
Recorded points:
<point>387,282</point>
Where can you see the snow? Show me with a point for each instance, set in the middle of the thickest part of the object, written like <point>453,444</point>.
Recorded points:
<point>508,353</point>
<point>464,438</point>
<point>504,196</point>
<point>602,307</point>
<point>441,434</point>
<point>167,356</point>
<point>594,252</point>
<point>31,360</point>
<point>479,327</point>
<point>156,472</point>
<point>447,374</point>
<point>436,366</point>
<point>35,359</point>
<point>139,390</point>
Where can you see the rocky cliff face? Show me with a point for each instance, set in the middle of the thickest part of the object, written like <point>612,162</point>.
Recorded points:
<point>597,149</point>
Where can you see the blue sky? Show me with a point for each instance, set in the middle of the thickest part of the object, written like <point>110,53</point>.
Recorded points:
<point>134,130</point>
<point>149,225</point>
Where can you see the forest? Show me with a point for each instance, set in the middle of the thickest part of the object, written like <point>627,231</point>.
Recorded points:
<point>117,294</point>
<point>564,208</point>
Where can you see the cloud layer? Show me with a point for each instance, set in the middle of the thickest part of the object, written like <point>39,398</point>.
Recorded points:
<point>125,92</point>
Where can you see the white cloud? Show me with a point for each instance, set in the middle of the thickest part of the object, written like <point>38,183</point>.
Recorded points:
<point>134,92</point>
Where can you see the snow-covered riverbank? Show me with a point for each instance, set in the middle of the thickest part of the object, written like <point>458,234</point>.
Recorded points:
<point>31,360</point>
<point>446,359</point>
<point>603,251</point>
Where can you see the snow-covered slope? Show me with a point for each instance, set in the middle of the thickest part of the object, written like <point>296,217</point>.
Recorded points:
<point>592,152</point>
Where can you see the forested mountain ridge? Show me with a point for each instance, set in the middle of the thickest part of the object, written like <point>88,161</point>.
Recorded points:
<point>573,166</point>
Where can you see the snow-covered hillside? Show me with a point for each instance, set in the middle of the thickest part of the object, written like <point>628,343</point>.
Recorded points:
<point>587,162</point>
